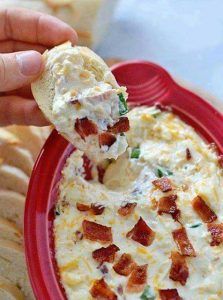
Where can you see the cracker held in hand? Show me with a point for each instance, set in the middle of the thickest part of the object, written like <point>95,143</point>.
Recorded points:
<point>78,94</point>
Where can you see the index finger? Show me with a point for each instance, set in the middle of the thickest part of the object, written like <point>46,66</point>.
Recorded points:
<point>34,27</point>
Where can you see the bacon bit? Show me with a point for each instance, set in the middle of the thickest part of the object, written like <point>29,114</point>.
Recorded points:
<point>167,205</point>
<point>78,236</point>
<point>164,184</point>
<point>82,207</point>
<point>137,279</point>
<point>97,209</point>
<point>74,101</point>
<point>141,233</point>
<point>188,154</point>
<point>87,165</point>
<point>97,232</point>
<point>170,294</point>
<point>203,210</point>
<point>101,173</point>
<point>184,245</point>
<point>105,254</point>
<point>103,269</point>
<point>121,126</point>
<point>179,270</point>
<point>125,265</point>
<point>216,231</point>
<point>101,291</point>
<point>85,127</point>
<point>106,139</point>
<point>127,209</point>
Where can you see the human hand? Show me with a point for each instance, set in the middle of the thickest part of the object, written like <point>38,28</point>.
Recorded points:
<point>24,34</point>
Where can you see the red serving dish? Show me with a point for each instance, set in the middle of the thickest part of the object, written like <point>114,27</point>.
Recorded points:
<point>147,84</point>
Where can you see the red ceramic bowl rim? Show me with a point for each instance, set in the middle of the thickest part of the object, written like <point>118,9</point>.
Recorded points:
<point>43,185</point>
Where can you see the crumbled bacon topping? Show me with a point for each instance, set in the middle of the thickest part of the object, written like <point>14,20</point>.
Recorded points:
<point>216,231</point>
<point>164,184</point>
<point>121,126</point>
<point>105,254</point>
<point>188,154</point>
<point>101,291</point>
<point>169,294</point>
<point>183,243</point>
<point>87,164</point>
<point>82,207</point>
<point>137,279</point>
<point>127,209</point>
<point>101,173</point>
<point>106,139</point>
<point>167,205</point>
<point>124,265</point>
<point>85,127</point>
<point>203,210</point>
<point>97,209</point>
<point>179,270</point>
<point>97,232</point>
<point>141,233</point>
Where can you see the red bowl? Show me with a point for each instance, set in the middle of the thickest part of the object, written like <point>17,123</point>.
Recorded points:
<point>147,84</point>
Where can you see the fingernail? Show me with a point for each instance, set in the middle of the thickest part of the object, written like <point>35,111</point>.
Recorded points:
<point>30,62</point>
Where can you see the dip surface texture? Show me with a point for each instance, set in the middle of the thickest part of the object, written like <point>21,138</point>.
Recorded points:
<point>161,204</point>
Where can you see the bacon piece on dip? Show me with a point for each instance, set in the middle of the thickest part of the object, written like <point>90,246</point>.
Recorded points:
<point>97,208</point>
<point>105,254</point>
<point>121,126</point>
<point>101,291</point>
<point>183,243</point>
<point>216,231</point>
<point>167,205</point>
<point>179,270</point>
<point>169,294</point>
<point>163,184</point>
<point>137,279</point>
<point>127,209</point>
<point>203,210</point>
<point>141,233</point>
<point>125,265</point>
<point>85,127</point>
<point>97,232</point>
<point>106,139</point>
<point>82,207</point>
<point>188,154</point>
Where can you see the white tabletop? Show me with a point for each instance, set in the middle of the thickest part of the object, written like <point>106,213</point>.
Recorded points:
<point>184,36</point>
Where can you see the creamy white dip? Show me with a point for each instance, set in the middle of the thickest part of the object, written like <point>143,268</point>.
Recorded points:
<point>162,139</point>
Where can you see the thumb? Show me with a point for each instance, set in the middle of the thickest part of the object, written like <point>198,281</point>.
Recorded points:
<point>19,69</point>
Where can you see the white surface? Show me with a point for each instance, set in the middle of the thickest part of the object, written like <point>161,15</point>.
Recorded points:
<point>184,36</point>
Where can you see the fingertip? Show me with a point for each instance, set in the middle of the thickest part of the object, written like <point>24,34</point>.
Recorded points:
<point>30,62</point>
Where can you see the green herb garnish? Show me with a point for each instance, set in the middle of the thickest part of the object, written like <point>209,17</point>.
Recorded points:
<point>123,108</point>
<point>195,225</point>
<point>155,112</point>
<point>135,152</point>
<point>122,134</point>
<point>161,171</point>
<point>148,294</point>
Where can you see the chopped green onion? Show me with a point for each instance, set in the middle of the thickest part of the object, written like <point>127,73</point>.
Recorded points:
<point>161,171</point>
<point>148,294</point>
<point>123,108</point>
<point>122,134</point>
<point>195,225</point>
<point>135,152</point>
<point>155,112</point>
